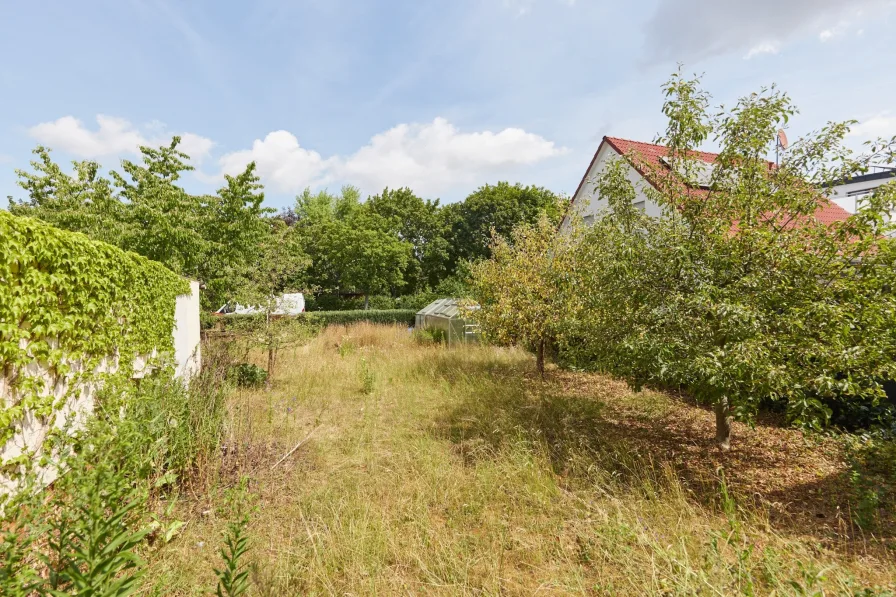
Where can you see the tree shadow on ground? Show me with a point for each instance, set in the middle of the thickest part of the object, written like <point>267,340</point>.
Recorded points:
<point>591,425</point>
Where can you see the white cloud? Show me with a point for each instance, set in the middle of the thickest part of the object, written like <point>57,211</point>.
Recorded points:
<point>430,158</point>
<point>766,47</point>
<point>882,124</point>
<point>435,156</point>
<point>195,146</point>
<point>112,137</point>
<point>282,163</point>
<point>690,30</point>
<point>836,31</point>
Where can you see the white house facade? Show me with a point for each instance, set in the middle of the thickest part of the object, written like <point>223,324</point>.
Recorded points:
<point>641,158</point>
<point>849,193</point>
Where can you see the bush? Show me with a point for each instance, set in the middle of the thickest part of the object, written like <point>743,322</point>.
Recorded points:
<point>321,319</point>
<point>429,336</point>
<point>384,316</point>
<point>332,302</point>
<point>417,301</point>
<point>381,302</point>
<point>84,536</point>
<point>247,375</point>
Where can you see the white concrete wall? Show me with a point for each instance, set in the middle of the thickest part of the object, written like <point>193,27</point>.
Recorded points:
<point>33,431</point>
<point>187,350</point>
<point>587,202</point>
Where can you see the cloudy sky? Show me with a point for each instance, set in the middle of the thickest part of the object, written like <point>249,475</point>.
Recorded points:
<point>436,95</point>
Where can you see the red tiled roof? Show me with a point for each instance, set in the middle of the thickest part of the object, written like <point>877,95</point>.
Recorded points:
<point>828,212</point>
<point>650,152</point>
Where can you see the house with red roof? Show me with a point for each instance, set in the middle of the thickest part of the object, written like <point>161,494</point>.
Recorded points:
<point>642,159</point>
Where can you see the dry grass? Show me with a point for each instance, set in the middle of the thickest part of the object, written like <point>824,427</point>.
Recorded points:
<point>455,472</point>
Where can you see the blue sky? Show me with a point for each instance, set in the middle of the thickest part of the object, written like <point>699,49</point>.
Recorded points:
<point>439,96</point>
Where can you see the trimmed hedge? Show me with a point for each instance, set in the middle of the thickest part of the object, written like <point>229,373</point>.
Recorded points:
<point>388,316</point>
<point>324,318</point>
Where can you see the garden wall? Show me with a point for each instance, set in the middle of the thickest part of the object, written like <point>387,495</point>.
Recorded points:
<point>76,315</point>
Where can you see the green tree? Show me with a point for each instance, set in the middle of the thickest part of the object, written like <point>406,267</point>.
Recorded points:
<point>235,225</point>
<point>319,224</point>
<point>417,222</point>
<point>278,268</point>
<point>369,257</point>
<point>500,208</point>
<point>739,293</point>
<point>527,287</point>
<point>81,202</point>
<point>165,222</point>
<point>212,238</point>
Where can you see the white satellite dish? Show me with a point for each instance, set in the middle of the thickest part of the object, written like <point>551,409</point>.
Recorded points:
<point>782,139</point>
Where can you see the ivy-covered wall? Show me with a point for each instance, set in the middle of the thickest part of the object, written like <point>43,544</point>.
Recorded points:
<point>73,313</point>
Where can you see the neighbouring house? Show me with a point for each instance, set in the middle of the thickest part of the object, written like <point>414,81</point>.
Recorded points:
<point>638,155</point>
<point>849,193</point>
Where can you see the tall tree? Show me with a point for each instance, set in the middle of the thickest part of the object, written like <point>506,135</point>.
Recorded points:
<point>370,259</point>
<point>417,222</point>
<point>498,207</point>
<point>236,228</point>
<point>82,202</point>
<point>739,293</point>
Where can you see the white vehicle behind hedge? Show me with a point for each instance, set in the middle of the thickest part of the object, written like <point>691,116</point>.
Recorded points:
<point>286,304</point>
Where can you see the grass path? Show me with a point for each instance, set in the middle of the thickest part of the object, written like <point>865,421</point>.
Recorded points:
<point>455,472</point>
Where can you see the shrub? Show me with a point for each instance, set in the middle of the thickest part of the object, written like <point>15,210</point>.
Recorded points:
<point>332,302</point>
<point>321,319</point>
<point>380,301</point>
<point>417,301</point>
<point>247,375</point>
<point>429,336</point>
<point>384,316</point>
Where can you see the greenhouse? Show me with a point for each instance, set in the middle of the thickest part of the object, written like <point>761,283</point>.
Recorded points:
<point>451,317</point>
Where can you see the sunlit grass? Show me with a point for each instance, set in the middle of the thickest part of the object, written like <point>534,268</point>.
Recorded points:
<point>457,472</point>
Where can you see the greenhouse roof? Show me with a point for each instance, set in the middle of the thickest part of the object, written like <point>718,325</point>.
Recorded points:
<point>446,307</point>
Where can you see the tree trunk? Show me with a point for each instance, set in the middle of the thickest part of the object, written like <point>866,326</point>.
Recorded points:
<point>539,358</point>
<point>270,340</point>
<point>723,424</point>
<point>269,380</point>
<point>366,302</point>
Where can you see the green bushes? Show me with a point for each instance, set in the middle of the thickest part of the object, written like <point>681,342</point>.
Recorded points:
<point>321,319</point>
<point>325,302</point>
<point>247,375</point>
<point>385,316</point>
<point>430,336</point>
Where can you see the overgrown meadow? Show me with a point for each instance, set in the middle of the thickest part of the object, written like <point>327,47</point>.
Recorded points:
<point>427,470</point>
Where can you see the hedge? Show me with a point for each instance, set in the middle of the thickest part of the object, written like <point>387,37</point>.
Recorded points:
<point>387,316</point>
<point>324,318</point>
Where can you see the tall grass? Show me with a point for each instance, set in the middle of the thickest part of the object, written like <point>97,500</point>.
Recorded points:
<point>444,471</point>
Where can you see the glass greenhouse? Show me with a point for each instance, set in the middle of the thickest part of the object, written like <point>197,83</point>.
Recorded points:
<point>450,317</point>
